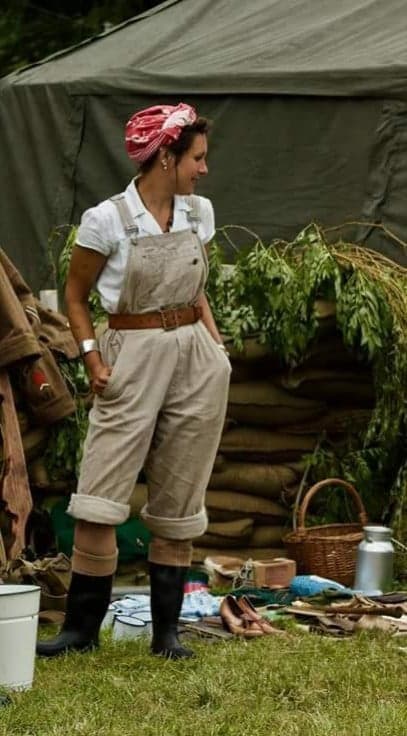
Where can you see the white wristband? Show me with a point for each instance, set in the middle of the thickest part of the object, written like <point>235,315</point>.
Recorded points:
<point>86,346</point>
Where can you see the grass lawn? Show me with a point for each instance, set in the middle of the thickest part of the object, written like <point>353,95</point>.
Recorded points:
<point>307,686</point>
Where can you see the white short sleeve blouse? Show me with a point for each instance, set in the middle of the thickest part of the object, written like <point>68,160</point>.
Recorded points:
<point>101,229</point>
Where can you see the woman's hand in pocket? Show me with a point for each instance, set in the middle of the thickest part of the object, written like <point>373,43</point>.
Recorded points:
<point>100,378</point>
<point>98,372</point>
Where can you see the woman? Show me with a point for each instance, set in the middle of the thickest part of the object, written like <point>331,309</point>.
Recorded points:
<point>159,373</point>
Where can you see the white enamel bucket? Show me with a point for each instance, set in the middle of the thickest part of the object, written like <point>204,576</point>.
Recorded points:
<point>19,606</point>
<point>130,627</point>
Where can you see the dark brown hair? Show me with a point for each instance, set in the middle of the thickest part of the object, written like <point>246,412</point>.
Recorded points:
<point>201,126</point>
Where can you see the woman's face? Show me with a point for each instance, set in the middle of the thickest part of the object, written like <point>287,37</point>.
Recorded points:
<point>192,165</point>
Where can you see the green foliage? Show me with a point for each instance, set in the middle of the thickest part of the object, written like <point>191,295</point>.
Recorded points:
<point>360,308</point>
<point>272,292</point>
<point>370,470</point>
<point>65,256</point>
<point>64,451</point>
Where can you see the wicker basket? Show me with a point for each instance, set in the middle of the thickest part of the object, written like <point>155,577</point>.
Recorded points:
<point>328,550</point>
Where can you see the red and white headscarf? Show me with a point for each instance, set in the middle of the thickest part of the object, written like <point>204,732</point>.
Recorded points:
<point>156,126</point>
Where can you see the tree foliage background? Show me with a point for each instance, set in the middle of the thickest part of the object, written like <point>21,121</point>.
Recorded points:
<point>33,29</point>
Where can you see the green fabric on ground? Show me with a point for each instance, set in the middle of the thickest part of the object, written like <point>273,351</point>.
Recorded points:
<point>265,596</point>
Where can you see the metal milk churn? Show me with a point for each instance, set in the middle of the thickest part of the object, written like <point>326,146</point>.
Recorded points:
<point>374,561</point>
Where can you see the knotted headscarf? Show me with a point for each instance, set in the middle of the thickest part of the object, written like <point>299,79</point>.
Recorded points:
<point>156,126</point>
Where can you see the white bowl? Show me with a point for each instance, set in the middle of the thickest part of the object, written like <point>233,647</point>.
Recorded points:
<point>129,627</point>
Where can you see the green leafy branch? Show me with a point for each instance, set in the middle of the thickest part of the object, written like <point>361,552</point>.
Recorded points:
<point>273,291</point>
<point>64,451</point>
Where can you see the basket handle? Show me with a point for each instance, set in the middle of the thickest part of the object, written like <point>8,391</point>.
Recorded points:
<point>329,482</point>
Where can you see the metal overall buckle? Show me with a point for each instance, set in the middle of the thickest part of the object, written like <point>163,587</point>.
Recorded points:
<point>169,319</point>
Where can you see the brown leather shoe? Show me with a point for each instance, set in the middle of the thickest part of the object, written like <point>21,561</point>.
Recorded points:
<point>235,621</point>
<point>248,610</point>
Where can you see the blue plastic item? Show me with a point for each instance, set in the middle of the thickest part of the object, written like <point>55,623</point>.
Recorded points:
<point>307,585</point>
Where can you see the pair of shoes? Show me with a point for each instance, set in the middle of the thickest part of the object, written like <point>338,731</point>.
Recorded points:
<point>236,621</point>
<point>241,618</point>
<point>253,615</point>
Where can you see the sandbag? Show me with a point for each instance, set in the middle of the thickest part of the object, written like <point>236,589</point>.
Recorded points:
<point>245,553</point>
<point>224,515</point>
<point>250,370</point>
<point>229,423</point>
<point>232,529</point>
<point>254,507</point>
<point>263,403</point>
<point>334,422</point>
<point>227,534</point>
<point>267,536</point>
<point>324,309</point>
<point>220,460</point>
<point>336,387</point>
<point>259,479</point>
<point>325,312</point>
<point>289,494</point>
<point>212,540</point>
<point>261,445</point>
<point>252,350</point>
<point>330,352</point>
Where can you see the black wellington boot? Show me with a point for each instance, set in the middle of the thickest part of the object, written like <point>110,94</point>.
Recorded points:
<point>87,603</point>
<point>167,593</point>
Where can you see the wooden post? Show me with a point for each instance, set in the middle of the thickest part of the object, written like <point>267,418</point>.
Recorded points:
<point>14,489</point>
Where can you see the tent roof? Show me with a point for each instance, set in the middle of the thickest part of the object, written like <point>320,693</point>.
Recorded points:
<point>352,47</point>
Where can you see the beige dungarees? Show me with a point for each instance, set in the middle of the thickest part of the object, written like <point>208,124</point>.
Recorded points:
<point>164,404</point>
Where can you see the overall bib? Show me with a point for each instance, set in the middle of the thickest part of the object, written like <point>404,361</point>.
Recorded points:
<point>164,405</point>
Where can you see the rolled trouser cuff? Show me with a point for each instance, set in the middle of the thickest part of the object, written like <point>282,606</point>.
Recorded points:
<point>174,552</point>
<point>93,565</point>
<point>98,510</point>
<point>187,527</point>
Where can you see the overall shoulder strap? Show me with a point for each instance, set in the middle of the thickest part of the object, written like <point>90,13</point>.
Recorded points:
<point>194,214</point>
<point>130,227</point>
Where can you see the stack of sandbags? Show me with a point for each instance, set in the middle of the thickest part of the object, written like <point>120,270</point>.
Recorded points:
<point>248,497</point>
<point>275,416</point>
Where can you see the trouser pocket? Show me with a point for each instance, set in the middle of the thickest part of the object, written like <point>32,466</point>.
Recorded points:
<point>112,349</point>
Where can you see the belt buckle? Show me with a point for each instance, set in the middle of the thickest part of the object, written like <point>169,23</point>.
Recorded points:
<point>169,323</point>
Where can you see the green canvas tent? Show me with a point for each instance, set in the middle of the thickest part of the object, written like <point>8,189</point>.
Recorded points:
<point>308,101</point>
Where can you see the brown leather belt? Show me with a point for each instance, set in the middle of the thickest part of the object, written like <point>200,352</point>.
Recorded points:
<point>167,319</point>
